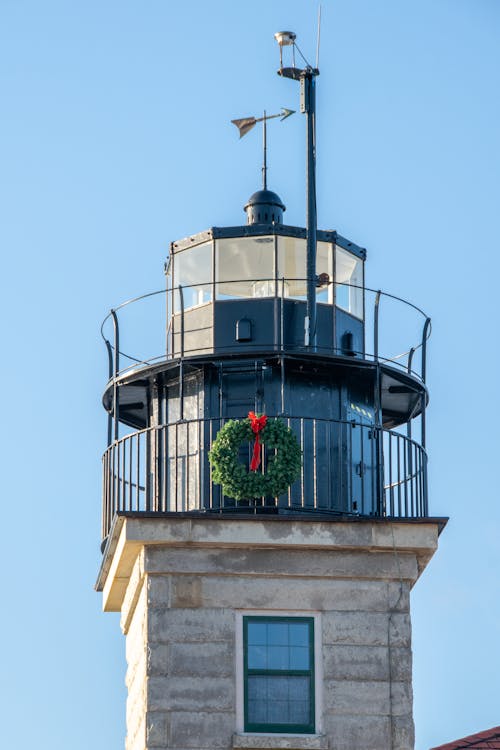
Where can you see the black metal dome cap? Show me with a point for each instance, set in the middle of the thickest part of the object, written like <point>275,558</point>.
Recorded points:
<point>265,207</point>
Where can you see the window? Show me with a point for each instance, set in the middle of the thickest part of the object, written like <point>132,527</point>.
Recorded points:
<point>244,267</point>
<point>349,282</point>
<point>193,271</point>
<point>279,674</point>
<point>292,266</point>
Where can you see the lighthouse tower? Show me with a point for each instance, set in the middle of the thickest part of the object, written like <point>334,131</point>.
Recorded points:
<point>281,620</point>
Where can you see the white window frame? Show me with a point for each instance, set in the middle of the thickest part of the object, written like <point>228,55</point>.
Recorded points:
<point>318,666</point>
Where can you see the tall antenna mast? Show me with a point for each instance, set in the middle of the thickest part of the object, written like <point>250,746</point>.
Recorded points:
<point>318,39</point>
<point>306,76</point>
<point>264,148</point>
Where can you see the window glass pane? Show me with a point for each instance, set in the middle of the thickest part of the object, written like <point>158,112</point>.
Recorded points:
<point>299,634</point>
<point>244,267</point>
<point>278,633</point>
<point>348,271</point>
<point>193,271</point>
<point>298,688</point>
<point>257,657</point>
<point>299,712</point>
<point>292,266</point>
<point>279,700</point>
<point>299,657</point>
<point>277,657</point>
<point>277,712</point>
<point>257,632</point>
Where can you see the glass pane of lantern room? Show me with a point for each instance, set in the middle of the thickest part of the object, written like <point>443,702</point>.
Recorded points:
<point>292,267</point>
<point>193,271</point>
<point>244,267</point>
<point>348,282</point>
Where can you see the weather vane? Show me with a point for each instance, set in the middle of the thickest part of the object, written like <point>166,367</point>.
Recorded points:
<point>245,124</point>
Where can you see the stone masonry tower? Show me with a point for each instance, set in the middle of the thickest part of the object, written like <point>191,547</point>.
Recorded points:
<point>278,620</point>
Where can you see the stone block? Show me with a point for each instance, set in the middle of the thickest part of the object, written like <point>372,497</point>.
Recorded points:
<point>136,734</point>
<point>358,697</point>
<point>191,693</point>
<point>355,628</point>
<point>158,590</point>
<point>409,536</point>
<point>401,698</point>
<point>401,664</point>
<point>201,730</point>
<point>399,629</point>
<point>157,724</point>
<point>289,533</point>
<point>136,629</point>
<point>132,592</point>
<point>272,593</point>
<point>358,732</point>
<point>136,685</point>
<point>190,625</point>
<point>187,592</point>
<point>280,742</point>
<point>202,659</point>
<point>398,596</point>
<point>356,663</point>
<point>158,661</point>
<point>403,733</point>
<point>136,671</point>
<point>281,562</point>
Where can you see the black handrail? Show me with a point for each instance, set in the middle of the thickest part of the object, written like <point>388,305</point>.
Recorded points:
<point>166,469</point>
<point>376,356</point>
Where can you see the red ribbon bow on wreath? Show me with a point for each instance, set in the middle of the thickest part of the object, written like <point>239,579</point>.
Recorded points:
<point>257,424</point>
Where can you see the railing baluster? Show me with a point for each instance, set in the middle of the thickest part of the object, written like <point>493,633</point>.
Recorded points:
<point>389,466</point>
<point>398,458</point>
<point>164,463</point>
<point>138,471</point>
<point>188,459</point>
<point>315,467</point>
<point>131,448</point>
<point>302,499</point>
<point>176,486</point>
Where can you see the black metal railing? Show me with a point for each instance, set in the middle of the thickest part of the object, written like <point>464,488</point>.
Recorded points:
<point>349,468</point>
<point>392,344</point>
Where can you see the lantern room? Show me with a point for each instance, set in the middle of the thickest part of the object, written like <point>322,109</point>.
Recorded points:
<point>243,289</point>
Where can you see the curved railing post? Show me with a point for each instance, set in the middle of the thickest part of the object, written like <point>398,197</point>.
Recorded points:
<point>408,368</point>
<point>378,432</point>
<point>425,500</point>
<point>424,375</point>
<point>181,363</point>
<point>109,349</point>
<point>410,360</point>
<point>181,300</point>
<point>425,336</point>
<point>282,345</point>
<point>116,369</point>
<point>375,324</point>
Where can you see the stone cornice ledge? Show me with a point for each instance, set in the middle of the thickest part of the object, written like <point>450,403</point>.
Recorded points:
<point>130,533</point>
<point>280,741</point>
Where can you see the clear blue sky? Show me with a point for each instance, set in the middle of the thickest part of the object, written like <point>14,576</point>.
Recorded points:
<point>115,140</point>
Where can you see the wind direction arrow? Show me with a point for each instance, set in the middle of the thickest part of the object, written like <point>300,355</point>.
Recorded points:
<point>245,124</point>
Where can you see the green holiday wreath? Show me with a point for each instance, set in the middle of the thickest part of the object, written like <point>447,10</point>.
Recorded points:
<point>282,468</point>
